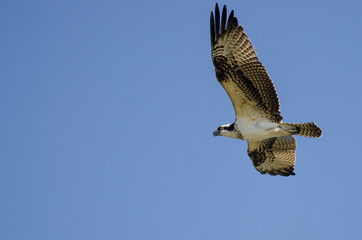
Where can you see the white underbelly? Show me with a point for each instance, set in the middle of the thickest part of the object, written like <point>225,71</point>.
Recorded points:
<point>256,130</point>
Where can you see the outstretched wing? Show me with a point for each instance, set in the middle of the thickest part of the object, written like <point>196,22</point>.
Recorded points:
<point>238,68</point>
<point>275,156</point>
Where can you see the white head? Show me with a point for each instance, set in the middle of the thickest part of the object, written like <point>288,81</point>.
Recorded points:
<point>228,131</point>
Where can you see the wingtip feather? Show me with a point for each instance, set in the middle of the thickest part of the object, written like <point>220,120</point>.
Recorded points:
<point>212,29</point>
<point>230,20</point>
<point>223,19</point>
<point>217,19</point>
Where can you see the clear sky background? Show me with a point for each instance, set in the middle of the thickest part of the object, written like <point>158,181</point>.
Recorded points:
<point>108,109</point>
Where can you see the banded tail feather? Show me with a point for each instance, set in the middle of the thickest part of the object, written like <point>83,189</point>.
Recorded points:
<point>304,129</point>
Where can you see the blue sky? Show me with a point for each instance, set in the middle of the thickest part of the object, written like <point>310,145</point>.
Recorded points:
<point>108,108</point>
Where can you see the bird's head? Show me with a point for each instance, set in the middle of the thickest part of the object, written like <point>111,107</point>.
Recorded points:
<point>227,131</point>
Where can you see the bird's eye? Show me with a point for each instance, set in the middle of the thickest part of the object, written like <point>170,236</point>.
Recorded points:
<point>219,128</point>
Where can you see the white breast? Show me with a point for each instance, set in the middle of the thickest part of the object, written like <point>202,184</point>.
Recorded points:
<point>253,126</point>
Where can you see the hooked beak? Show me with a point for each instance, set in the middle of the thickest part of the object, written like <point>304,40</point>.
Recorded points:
<point>216,133</point>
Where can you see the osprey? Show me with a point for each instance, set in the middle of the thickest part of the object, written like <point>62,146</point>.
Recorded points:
<point>271,145</point>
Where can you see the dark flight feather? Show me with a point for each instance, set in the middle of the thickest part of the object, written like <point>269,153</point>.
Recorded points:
<point>237,64</point>
<point>275,156</point>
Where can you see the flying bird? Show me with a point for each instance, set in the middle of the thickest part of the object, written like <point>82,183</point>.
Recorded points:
<point>271,145</point>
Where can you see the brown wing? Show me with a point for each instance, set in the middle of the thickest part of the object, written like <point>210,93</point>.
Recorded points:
<point>238,68</point>
<point>275,156</point>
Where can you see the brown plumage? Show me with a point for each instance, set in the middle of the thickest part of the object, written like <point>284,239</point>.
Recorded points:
<point>254,98</point>
<point>275,156</point>
<point>237,65</point>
